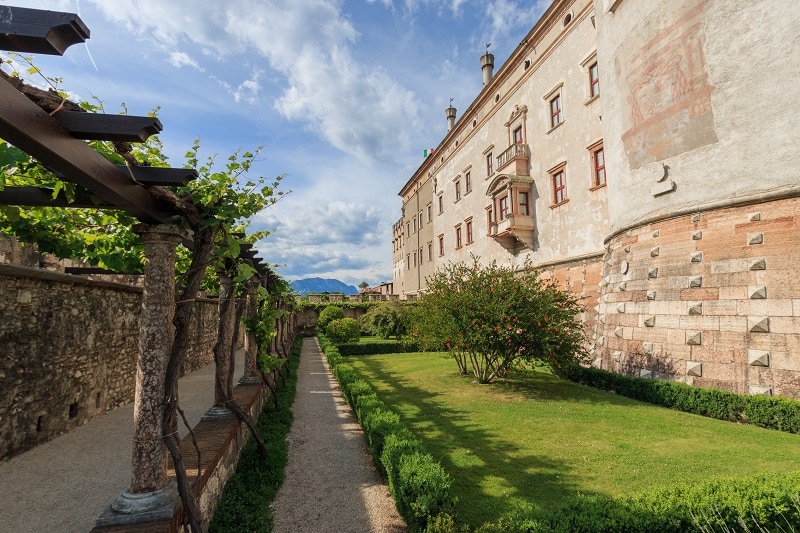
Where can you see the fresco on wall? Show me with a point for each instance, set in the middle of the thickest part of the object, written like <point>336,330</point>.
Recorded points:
<point>666,81</point>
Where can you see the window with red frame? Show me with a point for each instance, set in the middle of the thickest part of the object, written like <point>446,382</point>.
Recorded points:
<point>458,236</point>
<point>594,80</point>
<point>458,191</point>
<point>502,207</point>
<point>559,187</point>
<point>599,164</point>
<point>555,111</point>
<point>524,207</point>
<point>441,245</point>
<point>469,232</point>
<point>468,182</point>
<point>518,135</point>
<point>489,167</point>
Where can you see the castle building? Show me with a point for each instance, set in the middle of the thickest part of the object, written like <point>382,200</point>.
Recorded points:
<point>641,154</point>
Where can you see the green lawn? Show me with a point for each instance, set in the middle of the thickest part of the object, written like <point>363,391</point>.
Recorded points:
<point>538,440</point>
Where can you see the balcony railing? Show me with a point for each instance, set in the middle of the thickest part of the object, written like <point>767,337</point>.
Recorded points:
<point>519,153</point>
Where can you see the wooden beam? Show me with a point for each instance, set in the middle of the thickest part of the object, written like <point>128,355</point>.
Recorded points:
<point>26,126</point>
<point>84,271</point>
<point>168,177</point>
<point>40,197</point>
<point>103,127</point>
<point>39,32</point>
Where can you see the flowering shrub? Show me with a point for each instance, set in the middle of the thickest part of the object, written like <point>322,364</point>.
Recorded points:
<point>492,317</point>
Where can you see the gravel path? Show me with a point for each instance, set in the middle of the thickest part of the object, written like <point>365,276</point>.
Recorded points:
<point>331,484</point>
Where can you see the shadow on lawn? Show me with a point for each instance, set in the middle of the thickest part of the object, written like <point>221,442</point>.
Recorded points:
<point>476,458</point>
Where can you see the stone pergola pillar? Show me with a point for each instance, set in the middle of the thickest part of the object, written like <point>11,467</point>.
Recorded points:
<point>251,375</point>
<point>151,496</point>
<point>222,349</point>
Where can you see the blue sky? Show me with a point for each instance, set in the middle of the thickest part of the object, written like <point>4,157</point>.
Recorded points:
<point>343,95</point>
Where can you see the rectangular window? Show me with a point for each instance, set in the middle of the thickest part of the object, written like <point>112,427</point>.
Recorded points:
<point>430,212</point>
<point>518,135</point>
<point>489,167</point>
<point>524,208</point>
<point>441,245</point>
<point>408,261</point>
<point>458,191</point>
<point>420,219</point>
<point>594,81</point>
<point>559,187</point>
<point>555,111</point>
<point>408,228</point>
<point>502,207</point>
<point>415,224</point>
<point>468,182</point>
<point>458,236</point>
<point>441,205</point>
<point>599,167</point>
<point>420,256</point>
<point>415,259</point>
<point>469,232</point>
<point>430,251</point>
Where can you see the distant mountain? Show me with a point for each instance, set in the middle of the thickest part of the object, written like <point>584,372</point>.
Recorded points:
<point>320,285</point>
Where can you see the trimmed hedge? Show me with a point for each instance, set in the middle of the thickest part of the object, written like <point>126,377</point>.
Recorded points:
<point>766,411</point>
<point>375,348</point>
<point>419,485</point>
<point>758,503</point>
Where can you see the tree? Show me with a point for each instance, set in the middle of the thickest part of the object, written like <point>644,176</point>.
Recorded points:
<point>363,285</point>
<point>385,320</point>
<point>343,330</point>
<point>491,317</point>
<point>331,312</point>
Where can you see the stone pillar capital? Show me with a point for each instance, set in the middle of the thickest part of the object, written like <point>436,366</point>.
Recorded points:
<point>168,233</point>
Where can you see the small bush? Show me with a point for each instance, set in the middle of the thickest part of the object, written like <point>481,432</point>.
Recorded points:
<point>332,312</point>
<point>424,489</point>
<point>343,330</point>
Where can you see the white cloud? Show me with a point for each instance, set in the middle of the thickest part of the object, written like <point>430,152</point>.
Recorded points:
<point>355,107</point>
<point>249,89</point>
<point>182,59</point>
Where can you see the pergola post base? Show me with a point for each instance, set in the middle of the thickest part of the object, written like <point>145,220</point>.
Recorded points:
<point>135,508</point>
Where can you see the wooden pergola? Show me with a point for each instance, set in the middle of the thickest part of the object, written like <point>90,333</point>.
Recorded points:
<point>57,139</point>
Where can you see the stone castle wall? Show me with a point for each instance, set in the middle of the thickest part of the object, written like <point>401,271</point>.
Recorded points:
<point>68,350</point>
<point>708,298</point>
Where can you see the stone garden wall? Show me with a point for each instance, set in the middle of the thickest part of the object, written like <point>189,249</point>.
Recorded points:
<point>68,349</point>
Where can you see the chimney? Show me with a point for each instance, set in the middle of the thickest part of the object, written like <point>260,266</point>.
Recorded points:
<point>450,112</point>
<point>487,66</point>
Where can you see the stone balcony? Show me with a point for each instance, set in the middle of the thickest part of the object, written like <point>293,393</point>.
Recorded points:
<point>515,160</point>
<point>514,231</point>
